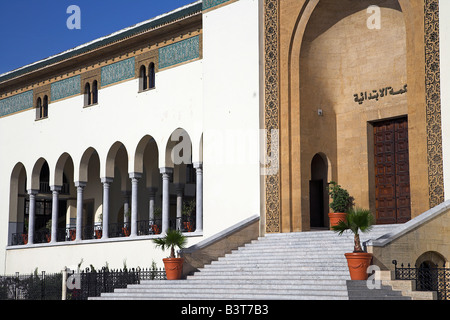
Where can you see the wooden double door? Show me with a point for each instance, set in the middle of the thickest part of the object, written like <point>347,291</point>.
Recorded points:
<point>392,183</point>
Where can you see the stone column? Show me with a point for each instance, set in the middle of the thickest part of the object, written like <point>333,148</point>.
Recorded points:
<point>179,189</point>
<point>134,176</point>
<point>166,172</point>
<point>31,214</point>
<point>55,212</point>
<point>80,190</point>
<point>105,214</point>
<point>151,204</point>
<point>199,197</point>
<point>126,206</point>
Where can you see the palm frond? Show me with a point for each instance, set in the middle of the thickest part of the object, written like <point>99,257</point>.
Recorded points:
<point>172,239</point>
<point>357,220</point>
<point>341,227</point>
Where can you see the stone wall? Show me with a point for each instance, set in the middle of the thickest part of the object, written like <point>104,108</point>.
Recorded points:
<point>425,235</point>
<point>220,244</point>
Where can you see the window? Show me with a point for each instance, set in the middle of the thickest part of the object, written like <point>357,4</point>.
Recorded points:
<point>94,92</point>
<point>87,94</point>
<point>151,76</point>
<point>42,108</point>
<point>142,79</point>
<point>38,108</point>
<point>45,107</point>
<point>91,93</point>
<point>147,80</point>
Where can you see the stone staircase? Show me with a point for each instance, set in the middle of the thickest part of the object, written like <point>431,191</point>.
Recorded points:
<point>305,265</point>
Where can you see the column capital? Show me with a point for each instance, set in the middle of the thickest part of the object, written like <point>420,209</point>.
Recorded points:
<point>56,188</point>
<point>80,184</point>
<point>106,180</point>
<point>198,165</point>
<point>135,175</point>
<point>126,193</point>
<point>152,190</point>
<point>33,191</point>
<point>166,170</point>
<point>179,187</point>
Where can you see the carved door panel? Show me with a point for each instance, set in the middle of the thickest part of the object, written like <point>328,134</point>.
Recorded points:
<point>392,189</point>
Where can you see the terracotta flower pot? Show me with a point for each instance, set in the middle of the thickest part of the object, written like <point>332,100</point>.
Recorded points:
<point>358,262</point>
<point>174,268</point>
<point>335,217</point>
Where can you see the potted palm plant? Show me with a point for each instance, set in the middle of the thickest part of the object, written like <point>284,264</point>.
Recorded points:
<point>173,265</point>
<point>358,261</point>
<point>341,202</point>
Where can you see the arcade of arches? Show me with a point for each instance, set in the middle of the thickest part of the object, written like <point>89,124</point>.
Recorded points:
<point>352,108</point>
<point>90,200</point>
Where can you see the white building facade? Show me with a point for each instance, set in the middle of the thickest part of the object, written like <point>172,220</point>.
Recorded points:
<point>106,146</point>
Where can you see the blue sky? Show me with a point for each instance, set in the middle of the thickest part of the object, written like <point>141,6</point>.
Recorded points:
<point>31,30</point>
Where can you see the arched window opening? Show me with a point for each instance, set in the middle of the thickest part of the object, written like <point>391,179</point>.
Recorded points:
<point>142,79</point>
<point>151,76</point>
<point>45,107</point>
<point>87,94</point>
<point>94,92</point>
<point>39,109</point>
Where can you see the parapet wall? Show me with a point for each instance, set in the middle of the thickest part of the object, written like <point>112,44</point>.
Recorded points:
<point>426,235</point>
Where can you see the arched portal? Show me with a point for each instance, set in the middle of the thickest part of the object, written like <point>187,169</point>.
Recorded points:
<point>183,202</point>
<point>429,278</point>
<point>318,196</point>
<point>329,54</point>
<point>118,180</point>
<point>63,182</point>
<point>150,192</point>
<point>87,210</point>
<point>18,227</point>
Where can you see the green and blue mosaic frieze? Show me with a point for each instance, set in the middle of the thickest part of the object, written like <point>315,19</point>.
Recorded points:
<point>118,71</point>
<point>65,88</point>
<point>16,103</point>
<point>179,52</point>
<point>207,4</point>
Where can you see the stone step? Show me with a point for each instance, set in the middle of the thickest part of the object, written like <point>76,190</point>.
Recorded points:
<point>311,245</point>
<point>338,290</point>
<point>339,256</point>
<point>252,292</point>
<point>288,252</point>
<point>358,290</point>
<point>275,265</point>
<point>309,236</point>
<point>286,274</point>
<point>271,276</point>
<point>243,282</point>
<point>221,296</point>
<point>338,260</point>
<point>311,241</point>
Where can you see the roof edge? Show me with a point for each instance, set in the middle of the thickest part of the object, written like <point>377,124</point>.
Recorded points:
<point>179,13</point>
